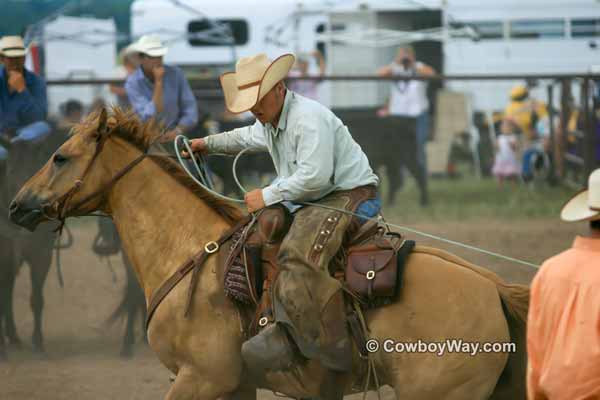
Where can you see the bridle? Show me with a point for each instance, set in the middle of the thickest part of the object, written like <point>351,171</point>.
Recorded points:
<point>62,203</point>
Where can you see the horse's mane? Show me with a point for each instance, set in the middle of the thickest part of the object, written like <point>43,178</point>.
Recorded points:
<point>126,125</point>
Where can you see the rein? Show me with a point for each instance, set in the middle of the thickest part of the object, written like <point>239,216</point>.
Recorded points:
<point>62,206</point>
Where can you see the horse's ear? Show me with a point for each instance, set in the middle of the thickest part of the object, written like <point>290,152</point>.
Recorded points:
<point>102,123</point>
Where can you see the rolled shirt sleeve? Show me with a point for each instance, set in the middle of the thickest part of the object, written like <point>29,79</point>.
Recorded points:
<point>143,107</point>
<point>234,141</point>
<point>187,102</point>
<point>314,159</point>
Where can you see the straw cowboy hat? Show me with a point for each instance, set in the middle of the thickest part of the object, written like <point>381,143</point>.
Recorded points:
<point>253,78</point>
<point>585,205</point>
<point>150,45</point>
<point>12,46</point>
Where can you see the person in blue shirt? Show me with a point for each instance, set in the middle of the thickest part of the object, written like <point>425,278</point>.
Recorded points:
<point>161,91</point>
<point>23,104</point>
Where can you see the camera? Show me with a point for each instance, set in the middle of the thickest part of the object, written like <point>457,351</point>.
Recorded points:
<point>406,62</point>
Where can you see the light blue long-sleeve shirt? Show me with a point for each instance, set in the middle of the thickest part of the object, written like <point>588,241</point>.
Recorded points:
<point>313,152</point>
<point>21,109</point>
<point>179,103</point>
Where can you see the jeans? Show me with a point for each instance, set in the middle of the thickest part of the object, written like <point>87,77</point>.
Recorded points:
<point>369,209</point>
<point>422,128</point>
<point>34,133</point>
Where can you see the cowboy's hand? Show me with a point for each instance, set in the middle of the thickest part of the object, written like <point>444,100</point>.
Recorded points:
<point>158,73</point>
<point>16,81</point>
<point>254,200</point>
<point>198,146</point>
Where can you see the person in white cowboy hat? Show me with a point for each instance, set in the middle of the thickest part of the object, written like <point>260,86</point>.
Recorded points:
<point>160,91</point>
<point>563,327</point>
<point>316,160</point>
<point>23,104</point>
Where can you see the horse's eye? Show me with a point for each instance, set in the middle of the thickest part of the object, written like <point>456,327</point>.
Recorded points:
<point>59,159</point>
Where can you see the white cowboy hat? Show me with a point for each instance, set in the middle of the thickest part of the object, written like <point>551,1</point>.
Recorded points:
<point>150,45</point>
<point>12,46</point>
<point>253,78</point>
<point>585,205</point>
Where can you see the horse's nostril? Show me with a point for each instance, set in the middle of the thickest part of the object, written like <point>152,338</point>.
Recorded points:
<point>13,206</point>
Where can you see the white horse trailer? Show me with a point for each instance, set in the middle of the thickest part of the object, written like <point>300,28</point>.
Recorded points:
<point>520,37</point>
<point>196,30</point>
<point>513,37</point>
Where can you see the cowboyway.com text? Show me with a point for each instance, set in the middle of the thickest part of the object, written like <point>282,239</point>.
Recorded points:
<point>439,348</point>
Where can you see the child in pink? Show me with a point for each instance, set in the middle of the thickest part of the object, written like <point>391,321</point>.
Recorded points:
<point>506,164</point>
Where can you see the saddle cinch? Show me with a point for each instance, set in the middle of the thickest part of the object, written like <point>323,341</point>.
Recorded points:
<point>369,266</point>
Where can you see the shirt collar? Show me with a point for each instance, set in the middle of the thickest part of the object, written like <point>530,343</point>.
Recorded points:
<point>587,243</point>
<point>282,124</point>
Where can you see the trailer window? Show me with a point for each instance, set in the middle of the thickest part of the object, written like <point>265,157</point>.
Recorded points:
<point>535,29</point>
<point>585,27</point>
<point>206,33</point>
<point>487,29</point>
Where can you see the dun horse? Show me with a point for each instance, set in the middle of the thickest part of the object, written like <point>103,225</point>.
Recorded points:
<point>163,219</point>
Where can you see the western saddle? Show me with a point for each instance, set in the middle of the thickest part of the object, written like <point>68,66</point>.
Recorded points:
<point>369,267</point>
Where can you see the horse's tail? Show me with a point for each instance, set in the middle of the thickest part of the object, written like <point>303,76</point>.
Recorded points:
<point>512,382</point>
<point>515,299</point>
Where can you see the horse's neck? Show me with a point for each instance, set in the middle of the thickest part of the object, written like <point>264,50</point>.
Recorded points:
<point>161,223</point>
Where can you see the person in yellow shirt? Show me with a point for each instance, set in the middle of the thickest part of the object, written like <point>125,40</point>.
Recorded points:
<point>525,111</point>
<point>563,326</point>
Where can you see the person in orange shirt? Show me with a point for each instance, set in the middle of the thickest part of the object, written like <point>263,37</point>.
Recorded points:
<point>563,327</point>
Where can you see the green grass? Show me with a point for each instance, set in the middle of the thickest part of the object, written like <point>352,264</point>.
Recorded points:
<point>472,198</point>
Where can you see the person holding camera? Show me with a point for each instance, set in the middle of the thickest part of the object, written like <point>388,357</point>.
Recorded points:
<point>408,98</point>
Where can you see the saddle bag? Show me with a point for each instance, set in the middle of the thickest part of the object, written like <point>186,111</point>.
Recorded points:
<point>374,268</point>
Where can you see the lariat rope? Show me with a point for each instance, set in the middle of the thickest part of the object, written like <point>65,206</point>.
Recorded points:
<point>200,172</point>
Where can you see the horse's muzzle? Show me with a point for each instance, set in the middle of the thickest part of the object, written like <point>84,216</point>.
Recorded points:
<point>26,211</point>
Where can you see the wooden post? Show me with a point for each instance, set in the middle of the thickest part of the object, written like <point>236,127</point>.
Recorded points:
<point>561,142</point>
<point>589,140</point>
<point>551,114</point>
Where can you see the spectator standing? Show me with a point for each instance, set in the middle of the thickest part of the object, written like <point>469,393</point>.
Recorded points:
<point>563,327</point>
<point>506,164</point>
<point>408,99</point>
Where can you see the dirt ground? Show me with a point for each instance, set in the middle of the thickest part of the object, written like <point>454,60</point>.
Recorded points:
<point>82,360</point>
